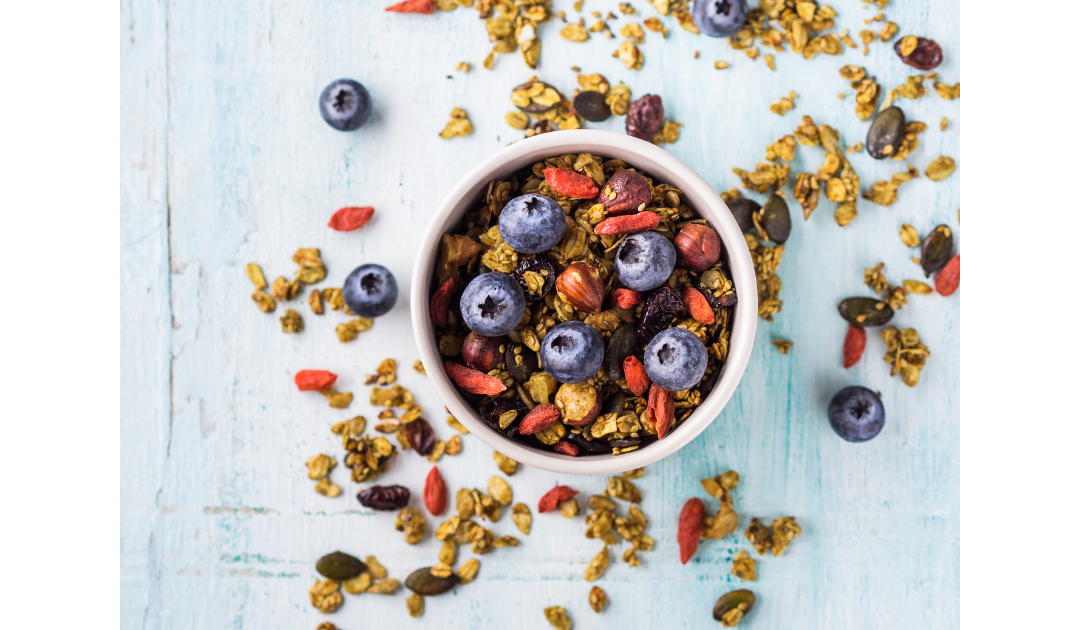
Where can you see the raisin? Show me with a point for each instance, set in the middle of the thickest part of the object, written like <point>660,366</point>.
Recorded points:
<point>645,117</point>
<point>661,307</point>
<point>540,265</point>
<point>491,412</point>
<point>384,498</point>
<point>421,437</point>
<point>926,56</point>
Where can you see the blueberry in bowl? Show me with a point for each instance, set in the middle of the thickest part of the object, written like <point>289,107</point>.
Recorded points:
<point>492,304</point>
<point>644,261</point>
<point>345,105</point>
<point>370,290</point>
<point>572,352</point>
<point>532,223</point>
<point>675,359</point>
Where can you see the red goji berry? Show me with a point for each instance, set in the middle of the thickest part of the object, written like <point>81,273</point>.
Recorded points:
<point>440,302</point>
<point>691,522</point>
<point>351,218</point>
<point>636,379</point>
<point>427,7</point>
<point>571,183</point>
<point>854,345</point>
<point>435,492</point>
<point>628,224</point>
<point>474,381</point>
<point>948,279</point>
<point>540,418</point>
<point>697,305</point>
<point>314,380</point>
<point>661,410</point>
<point>550,501</point>
<point>566,448</point>
<point>627,298</point>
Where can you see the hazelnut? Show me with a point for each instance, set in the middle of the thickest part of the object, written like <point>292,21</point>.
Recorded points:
<point>625,192</point>
<point>581,286</point>
<point>698,247</point>
<point>579,403</point>
<point>483,353</point>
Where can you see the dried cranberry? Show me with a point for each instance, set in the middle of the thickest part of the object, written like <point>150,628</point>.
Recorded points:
<point>926,56</point>
<point>384,498</point>
<point>540,265</point>
<point>491,412</point>
<point>724,299</point>
<point>661,307</point>
<point>421,437</point>
<point>645,117</point>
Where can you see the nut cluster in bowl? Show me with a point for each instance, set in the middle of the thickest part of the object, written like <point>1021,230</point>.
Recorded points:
<point>583,307</point>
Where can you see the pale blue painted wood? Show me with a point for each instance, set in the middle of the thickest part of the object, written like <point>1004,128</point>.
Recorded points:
<point>226,161</point>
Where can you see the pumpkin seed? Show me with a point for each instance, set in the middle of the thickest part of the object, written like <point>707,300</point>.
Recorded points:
<point>937,249</point>
<point>864,311</point>
<point>422,582</point>
<point>613,403</point>
<point>732,607</point>
<point>885,133</point>
<point>743,210</point>
<point>340,566</point>
<point>776,219</point>
<point>622,344</point>
<point>521,361</point>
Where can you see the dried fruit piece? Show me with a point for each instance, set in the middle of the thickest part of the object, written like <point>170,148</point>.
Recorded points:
<point>570,183</point>
<point>660,309</point>
<point>854,345</point>
<point>553,497</point>
<point>626,298</point>
<point>426,7</point>
<point>636,379</point>
<point>918,52</point>
<point>628,224</point>
<point>948,279</point>
<point>314,380</point>
<point>435,492</point>
<point>661,410</point>
<point>566,448</point>
<point>350,218</point>
<point>440,302</point>
<point>473,381</point>
<point>698,307</point>
<point>386,498</point>
<point>540,418</point>
<point>691,522</point>
<point>645,116</point>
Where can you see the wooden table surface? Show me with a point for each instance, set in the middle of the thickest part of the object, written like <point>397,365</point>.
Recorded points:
<point>226,161</point>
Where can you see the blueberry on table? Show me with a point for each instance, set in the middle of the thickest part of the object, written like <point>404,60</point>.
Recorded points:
<point>345,105</point>
<point>532,223</point>
<point>492,304</point>
<point>644,261</point>
<point>572,352</point>
<point>719,18</point>
<point>675,359</point>
<point>856,413</point>
<point>370,290</point>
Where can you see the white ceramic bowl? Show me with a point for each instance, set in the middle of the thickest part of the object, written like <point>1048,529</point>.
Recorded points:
<point>666,168</point>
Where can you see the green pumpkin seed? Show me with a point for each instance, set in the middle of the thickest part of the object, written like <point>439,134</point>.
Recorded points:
<point>776,219</point>
<point>521,362</point>
<point>886,133</point>
<point>613,403</point>
<point>864,311</point>
<point>743,210</point>
<point>937,249</point>
<point>340,566</point>
<point>733,606</point>
<point>621,345</point>
<point>422,582</point>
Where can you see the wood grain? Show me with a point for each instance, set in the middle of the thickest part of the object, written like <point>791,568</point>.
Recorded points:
<point>226,161</point>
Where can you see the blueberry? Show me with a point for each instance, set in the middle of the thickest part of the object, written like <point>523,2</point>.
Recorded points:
<point>572,352</point>
<point>532,223</point>
<point>492,304</point>
<point>856,413</point>
<point>675,359</point>
<point>370,290</point>
<point>644,261</point>
<point>345,105</point>
<point>719,18</point>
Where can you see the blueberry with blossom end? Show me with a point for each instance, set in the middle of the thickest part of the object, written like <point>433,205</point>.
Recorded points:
<point>856,413</point>
<point>345,105</point>
<point>532,223</point>
<point>492,304</point>
<point>572,352</point>
<point>644,261</point>
<point>370,290</point>
<point>675,359</point>
<point>719,18</point>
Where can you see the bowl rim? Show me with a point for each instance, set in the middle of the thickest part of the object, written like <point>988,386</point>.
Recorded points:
<point>666,168</point>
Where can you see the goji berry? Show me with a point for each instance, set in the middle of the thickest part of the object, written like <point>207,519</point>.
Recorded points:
<point>571,183</point>
<point>566,448</point>
<point>440,302</point>
<point>854,345</point>
<point>691,522</point>
<point>550,501</point>
<point>427,7</point>
<point>636,379</point>
<point>435,492</point>
<point>627,298</point>
<point>948,279</point>
<point>351,218</point>
<point>540,418</point>
<point>628,224</point>
<point>697,305</point>
<point>661,410</point>
<point>474,381</point>
<point>314,380</point>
